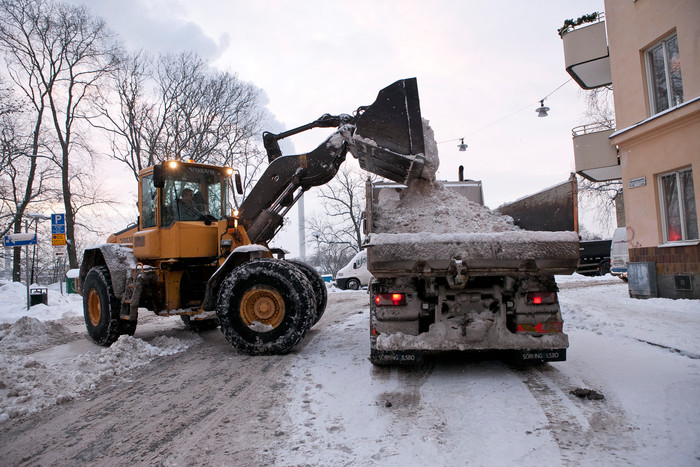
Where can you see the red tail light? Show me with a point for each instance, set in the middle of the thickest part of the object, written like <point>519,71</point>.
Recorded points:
<point>390,299</point>
<point>549,327</point>
<point>541,298</point>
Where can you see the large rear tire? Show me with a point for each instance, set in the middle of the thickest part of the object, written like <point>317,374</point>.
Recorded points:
<point>101,307</point>
<point>318,285</point>
<point>265,307</point>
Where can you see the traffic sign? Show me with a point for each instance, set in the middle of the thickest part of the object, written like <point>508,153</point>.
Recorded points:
<point>19,239</point>
<point>58,224</point>
<point>58,239</point>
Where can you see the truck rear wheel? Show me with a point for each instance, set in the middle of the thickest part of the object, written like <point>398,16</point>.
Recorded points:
<point>318,285</point>
<point>101,307</point>
<point>265,307</point>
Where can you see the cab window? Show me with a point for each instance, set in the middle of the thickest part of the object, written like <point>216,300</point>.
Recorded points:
<point>148,202</point>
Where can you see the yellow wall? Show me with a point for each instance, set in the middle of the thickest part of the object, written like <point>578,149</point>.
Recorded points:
<point>668,143</point>
<point>664,142</point>
<point>633,27</point>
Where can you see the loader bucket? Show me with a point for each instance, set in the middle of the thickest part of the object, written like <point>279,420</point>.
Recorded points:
<point>388,138</point>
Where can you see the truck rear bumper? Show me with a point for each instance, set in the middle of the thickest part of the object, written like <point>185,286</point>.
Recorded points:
<point>415,357</point>
<point>445,338</point>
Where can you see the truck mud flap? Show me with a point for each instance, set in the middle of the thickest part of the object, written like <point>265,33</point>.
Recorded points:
<point>538,355</point>
<point>396,357</point>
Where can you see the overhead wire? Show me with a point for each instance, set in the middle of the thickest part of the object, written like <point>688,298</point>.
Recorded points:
<point>509,115</point>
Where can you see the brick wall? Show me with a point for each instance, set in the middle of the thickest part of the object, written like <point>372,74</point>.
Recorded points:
<point>670,260</point>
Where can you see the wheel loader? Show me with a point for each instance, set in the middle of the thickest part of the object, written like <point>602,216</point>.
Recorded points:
<point>196,257</point>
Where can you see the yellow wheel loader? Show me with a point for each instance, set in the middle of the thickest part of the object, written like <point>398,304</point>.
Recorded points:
<point>191,255</point>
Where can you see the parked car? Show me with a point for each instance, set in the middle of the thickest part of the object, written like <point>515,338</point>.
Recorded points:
<point>619,255</point>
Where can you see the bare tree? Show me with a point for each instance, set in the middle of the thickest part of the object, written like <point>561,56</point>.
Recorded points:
<point>601,197</point>
<point>57,55</point>
<point>180,108</point>
<point>23,179</point>
<point>337,234</point>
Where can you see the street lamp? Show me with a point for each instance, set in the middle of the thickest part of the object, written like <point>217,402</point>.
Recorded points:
<point>542,110</point>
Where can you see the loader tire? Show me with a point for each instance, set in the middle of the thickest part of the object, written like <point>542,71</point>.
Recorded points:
<point>101,307</point>
<point>199,325</point>
<point>318,284</point>
<point>265,307</point>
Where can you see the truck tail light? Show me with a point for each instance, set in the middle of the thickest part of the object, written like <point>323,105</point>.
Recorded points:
<point>548,327</point>
<point>390,299</point>
<point>541,298</point>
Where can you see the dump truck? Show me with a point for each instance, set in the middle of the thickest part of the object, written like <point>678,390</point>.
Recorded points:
<point>190,254</point>
<point>452,276</point>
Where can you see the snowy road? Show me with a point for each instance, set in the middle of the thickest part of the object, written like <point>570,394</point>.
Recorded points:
<point>168,397</point>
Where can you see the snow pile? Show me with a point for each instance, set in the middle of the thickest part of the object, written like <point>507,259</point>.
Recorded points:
<point>29,333</point>
<point>39,380</point>
<point>13,303</point>
<point>432,161</point>
<point>427,206</point>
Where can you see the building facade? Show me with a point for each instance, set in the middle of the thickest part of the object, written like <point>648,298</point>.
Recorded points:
<point>654,59</point>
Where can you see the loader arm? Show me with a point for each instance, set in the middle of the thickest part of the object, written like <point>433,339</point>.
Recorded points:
<point>284,181</point>
<point>386,137</point>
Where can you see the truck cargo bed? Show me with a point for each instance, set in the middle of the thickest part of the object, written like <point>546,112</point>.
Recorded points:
<point>497,253</point>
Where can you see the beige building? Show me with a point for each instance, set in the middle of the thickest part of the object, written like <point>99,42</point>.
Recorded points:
<point>652,59</point>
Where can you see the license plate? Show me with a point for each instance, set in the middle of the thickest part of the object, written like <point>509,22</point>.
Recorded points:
<point>550,355</point>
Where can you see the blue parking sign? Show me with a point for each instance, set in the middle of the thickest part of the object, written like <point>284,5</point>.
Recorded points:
<point>58,223</point>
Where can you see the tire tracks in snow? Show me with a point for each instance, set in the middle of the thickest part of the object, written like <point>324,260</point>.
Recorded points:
<point>207,403</point>
<point>596,430</point>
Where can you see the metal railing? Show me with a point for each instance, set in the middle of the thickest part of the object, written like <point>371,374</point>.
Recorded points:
<point>589,128</point>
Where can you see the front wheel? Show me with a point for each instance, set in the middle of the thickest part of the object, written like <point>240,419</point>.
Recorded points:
<point>353,284</point>
<point>265,307</point>
<point>101,307</point>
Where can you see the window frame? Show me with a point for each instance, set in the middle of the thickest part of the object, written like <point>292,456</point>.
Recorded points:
<point>651,83</point>
<point>682,209</point>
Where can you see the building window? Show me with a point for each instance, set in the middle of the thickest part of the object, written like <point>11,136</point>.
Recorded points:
<point>664,75</point>
<point>679,216</point>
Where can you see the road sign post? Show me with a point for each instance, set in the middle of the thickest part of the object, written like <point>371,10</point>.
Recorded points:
<point>58,240</point>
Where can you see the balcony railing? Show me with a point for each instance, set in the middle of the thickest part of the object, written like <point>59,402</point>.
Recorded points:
<point>596,159</point>
<point>586,54</point>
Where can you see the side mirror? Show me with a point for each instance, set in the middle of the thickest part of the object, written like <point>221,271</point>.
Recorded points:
<point>158,176</point>
<point>239,183</point>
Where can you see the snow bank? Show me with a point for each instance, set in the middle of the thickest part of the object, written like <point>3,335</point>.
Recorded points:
<point>36,381</point>
<point>13,303</point>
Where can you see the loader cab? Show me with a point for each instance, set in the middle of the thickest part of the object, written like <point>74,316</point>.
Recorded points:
<point>181,204</point>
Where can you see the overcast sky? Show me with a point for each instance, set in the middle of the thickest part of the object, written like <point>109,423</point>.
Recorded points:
<point>482,67</point>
